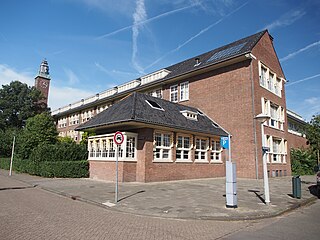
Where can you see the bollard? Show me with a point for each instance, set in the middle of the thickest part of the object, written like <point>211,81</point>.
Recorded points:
<point>296,187</point>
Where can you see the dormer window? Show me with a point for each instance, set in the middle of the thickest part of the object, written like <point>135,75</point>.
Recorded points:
<point>154,105</point>
<point>190,115</point>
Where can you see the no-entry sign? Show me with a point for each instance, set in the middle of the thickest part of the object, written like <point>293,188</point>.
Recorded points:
<point>118,138</point>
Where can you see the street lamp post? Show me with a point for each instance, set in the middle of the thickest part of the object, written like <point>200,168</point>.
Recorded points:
<point>262,118</point>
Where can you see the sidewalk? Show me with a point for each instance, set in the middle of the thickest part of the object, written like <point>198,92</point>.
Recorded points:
<point>187,199</point>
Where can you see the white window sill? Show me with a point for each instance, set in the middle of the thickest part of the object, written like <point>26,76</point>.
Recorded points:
<point>266,88</point>
<point>111,159</point>
<point>162,161</point>
<point>183,161</point>
<point>201,161</point>
<point>216,162</point>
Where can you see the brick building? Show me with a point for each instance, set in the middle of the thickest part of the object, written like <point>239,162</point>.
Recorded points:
<point>230,85</point>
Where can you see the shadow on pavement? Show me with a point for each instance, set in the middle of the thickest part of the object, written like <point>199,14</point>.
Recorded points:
<point>258,195</point>
<point>142,191</point>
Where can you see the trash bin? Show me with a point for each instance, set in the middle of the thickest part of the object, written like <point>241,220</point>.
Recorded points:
<point>296,187</point>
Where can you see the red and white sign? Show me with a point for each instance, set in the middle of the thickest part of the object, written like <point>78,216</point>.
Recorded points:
<point>118,138</point>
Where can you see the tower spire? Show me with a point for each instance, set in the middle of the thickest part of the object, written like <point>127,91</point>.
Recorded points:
<point>44,69</point>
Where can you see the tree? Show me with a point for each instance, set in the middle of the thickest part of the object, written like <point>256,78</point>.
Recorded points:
<point>39,129</point>
<point>6,139</point>
<point>313,134</point>
<point>18,102</point>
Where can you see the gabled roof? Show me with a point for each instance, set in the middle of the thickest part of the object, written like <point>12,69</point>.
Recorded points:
<point>221,54</point>
<point>136,109</point>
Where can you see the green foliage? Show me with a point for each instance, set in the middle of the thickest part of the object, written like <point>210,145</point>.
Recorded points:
<point>313,132</point>
<point>5,163</point>
<point>84,139</point>
<point>18,102</point>
<point>61,151</point>
<point>65,139</point>
<point>39,129</point>
<point>6,140</point>
<point>302,161</point>
<point>67,169</point>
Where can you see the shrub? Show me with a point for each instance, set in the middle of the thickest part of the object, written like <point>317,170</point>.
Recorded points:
<point>61,151</point>
<point>302,161</point>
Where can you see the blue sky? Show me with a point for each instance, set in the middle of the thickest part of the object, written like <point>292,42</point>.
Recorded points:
<point>92,45</point>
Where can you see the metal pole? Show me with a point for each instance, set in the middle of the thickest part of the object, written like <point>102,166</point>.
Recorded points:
<point>229,139</point>
<point>14,140</point>
<point>265,169</point>
<point>116,191</point>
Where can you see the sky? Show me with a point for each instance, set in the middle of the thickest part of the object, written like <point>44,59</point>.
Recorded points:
<point>94,45</point>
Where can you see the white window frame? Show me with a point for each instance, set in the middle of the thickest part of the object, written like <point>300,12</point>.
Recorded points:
<point>276,154</point>
<point>183,149</point>
<point>156,93</point>
<point>201,150</point>
<point>269,80</point>
<point>159,151</point>
<point>216,151</point>
<point>275,112</point>
<point>174,92</point>
<point>103,148</point>
<point>184,91</point>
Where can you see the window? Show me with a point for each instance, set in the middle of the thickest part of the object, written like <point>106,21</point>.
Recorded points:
<point>162,146</point>
<point>183,148</point>
<point>130,148</point>
<point>184,91</point>
<point>216,151</point>
<point>275,112</point>
<point>155,105</point>
<point>102,147</point>
<point>174,93</point>
<point>277,149</point>
<point>269,80</point>
<point>156,93</point>
<point>201,150</point>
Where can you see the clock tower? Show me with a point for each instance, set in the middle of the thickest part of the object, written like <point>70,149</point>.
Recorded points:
<point>42,81</point>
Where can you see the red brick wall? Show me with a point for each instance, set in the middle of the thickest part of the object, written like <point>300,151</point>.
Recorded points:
<point>296,141</point>
<point>225,96</point>
<point>264,52</point>
<point>104,170</point>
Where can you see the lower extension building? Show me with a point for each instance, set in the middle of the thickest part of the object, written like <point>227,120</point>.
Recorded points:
<point>172,119</point>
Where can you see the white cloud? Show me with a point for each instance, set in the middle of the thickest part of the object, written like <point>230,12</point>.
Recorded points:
<point>62,96</point>
<point>291,55</point>
<point>286,19</point>
<point>311,107</point>
<point>8,74</point>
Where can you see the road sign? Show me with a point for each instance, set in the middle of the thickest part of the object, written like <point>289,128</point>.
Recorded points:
<point>118,138</point>
<point>224,142</point>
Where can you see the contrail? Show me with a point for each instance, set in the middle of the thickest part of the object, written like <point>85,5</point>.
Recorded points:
<point>302,80</point>
<point>146,21</point>
<point>195,36</point>
<point>291,55</point>
<point>138,16</point>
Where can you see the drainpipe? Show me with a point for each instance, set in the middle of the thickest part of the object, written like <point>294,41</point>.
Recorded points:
<point>250,56</point>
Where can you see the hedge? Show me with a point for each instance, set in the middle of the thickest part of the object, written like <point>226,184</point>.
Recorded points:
<point>66,169</point>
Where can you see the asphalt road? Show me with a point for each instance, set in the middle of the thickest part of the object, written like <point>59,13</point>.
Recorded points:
<point>33,213</point>
<point>303,223</point>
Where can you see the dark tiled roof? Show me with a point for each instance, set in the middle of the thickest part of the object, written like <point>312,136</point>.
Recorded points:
<point>135,108</point>
<point>234,49</point>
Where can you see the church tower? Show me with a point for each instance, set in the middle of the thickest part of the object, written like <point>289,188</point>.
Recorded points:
<point>42,80</point>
